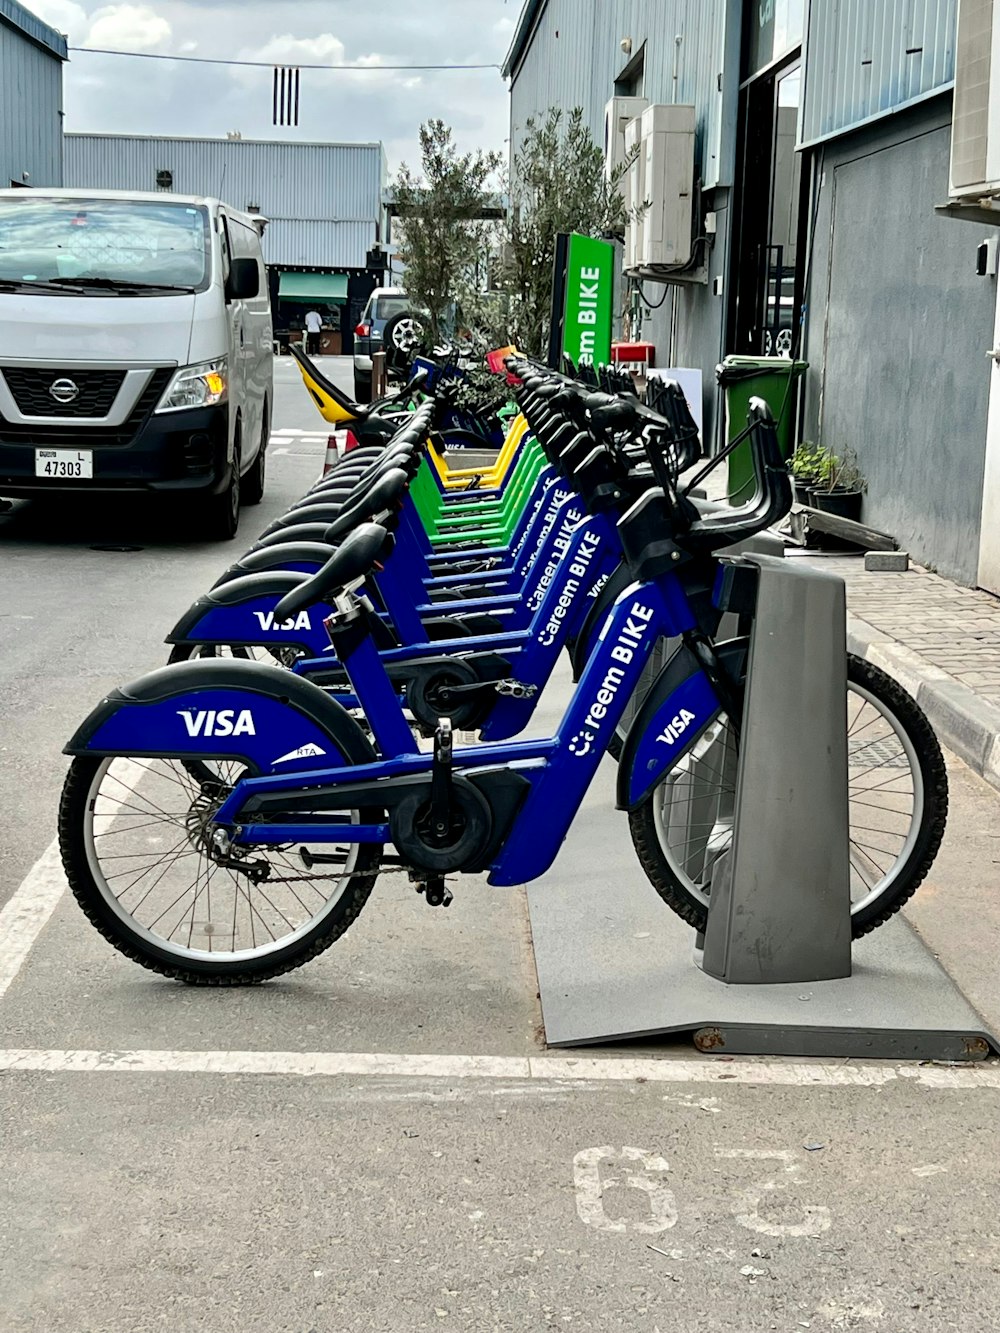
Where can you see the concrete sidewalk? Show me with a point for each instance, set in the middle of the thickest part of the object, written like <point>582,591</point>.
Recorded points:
<point>941,642</point>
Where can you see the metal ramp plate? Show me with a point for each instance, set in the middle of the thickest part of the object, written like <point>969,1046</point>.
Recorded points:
<point>614,962</point>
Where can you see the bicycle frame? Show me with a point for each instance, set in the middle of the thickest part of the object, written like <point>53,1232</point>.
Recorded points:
<point>558,770</point>
<point>592,553</point>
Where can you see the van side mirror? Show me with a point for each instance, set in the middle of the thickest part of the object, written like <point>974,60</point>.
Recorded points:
<point>243,282</point>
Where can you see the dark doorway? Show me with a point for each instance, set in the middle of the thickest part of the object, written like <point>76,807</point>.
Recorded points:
<point>766,282</point>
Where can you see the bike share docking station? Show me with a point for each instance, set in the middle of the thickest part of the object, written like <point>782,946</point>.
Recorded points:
<point>776,972</point>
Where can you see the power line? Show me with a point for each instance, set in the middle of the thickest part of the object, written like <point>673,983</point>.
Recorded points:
<point>264,64</point>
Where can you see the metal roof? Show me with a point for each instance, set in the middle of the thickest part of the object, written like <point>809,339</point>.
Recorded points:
<point>522,33</point>
<point>32,27</point>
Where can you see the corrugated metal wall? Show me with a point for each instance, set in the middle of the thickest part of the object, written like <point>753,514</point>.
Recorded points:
<point>317,243</point>
<point>324,200</point>
<point>31,138</point>
<point>575,57</point>
<point>868,57</point>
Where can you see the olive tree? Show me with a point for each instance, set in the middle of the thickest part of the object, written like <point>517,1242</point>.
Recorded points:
<point>445,239</point>
<point>558,184</point>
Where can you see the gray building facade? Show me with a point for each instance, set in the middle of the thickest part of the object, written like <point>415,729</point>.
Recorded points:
<point>31,101</point>
<point>822,148</point>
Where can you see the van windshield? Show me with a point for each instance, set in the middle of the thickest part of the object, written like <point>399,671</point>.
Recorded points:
<point>92,246</point>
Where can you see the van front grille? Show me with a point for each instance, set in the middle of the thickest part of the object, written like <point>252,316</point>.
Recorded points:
<point>31,389</point>
<point>37,434</point>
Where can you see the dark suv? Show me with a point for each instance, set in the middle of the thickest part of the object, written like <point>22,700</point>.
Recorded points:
<point>383,303</point>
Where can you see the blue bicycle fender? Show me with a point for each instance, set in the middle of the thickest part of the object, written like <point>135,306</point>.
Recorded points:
<point>678,709</point>
<point>242,612</point>
<point>224,709</point>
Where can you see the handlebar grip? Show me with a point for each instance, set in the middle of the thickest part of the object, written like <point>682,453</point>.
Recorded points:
<point>774,492</point>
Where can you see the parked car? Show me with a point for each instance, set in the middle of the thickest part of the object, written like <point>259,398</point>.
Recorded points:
<point>135,349</point>
<point>383,304</point>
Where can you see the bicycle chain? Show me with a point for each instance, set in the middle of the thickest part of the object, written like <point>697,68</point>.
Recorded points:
<point>311,879</point>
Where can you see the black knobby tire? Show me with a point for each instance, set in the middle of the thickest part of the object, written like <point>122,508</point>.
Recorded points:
<point>327,927</point>
<point>256,475</point>
<point>913,722</point>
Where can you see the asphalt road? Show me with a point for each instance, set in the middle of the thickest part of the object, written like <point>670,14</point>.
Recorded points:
<point>380,1141</point>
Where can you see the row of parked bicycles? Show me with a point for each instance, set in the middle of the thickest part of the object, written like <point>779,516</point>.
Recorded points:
<point>225,817</point>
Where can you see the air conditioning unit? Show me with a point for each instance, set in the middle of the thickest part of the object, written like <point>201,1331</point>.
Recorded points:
<point>617,114</point>
<point>975,127</point>
<point>667,150</point>
<point>635,195</point>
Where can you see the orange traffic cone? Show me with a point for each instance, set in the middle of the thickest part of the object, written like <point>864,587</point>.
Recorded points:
<point>334,452</point>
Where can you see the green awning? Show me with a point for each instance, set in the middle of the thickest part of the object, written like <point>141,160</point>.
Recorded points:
<point>328,288</point>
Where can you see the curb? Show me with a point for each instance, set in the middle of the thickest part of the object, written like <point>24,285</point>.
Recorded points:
<point>964,722</point>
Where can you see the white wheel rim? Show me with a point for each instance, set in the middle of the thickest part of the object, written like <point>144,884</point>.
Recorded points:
<point>134,814</point>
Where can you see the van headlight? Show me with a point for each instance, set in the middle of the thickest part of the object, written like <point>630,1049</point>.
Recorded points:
<point>203,385</point>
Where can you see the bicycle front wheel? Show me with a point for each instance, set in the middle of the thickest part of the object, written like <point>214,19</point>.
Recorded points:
<point>898,793</point>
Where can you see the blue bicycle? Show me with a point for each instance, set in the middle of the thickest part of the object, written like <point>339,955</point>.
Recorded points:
<point>224,821</point>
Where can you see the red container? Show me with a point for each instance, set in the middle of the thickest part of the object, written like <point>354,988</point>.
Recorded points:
<point>631,353</point>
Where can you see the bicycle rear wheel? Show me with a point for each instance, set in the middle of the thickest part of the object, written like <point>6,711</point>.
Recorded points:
<point>898,792</point>
<point>136,841</point>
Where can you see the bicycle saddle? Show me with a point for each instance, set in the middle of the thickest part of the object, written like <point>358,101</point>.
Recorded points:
<point>387,492</point>
<point>278,556</point>
<point>299,532</point>
<point>352,561</point>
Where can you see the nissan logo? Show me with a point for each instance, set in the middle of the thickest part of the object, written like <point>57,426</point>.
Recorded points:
<point>64,391</point>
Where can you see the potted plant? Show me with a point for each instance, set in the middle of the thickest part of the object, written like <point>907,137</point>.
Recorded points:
<point>841,485</point>
<point>806,463</point>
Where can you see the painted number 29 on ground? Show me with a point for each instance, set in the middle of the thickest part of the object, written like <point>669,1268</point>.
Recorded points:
<point>599,1172</point>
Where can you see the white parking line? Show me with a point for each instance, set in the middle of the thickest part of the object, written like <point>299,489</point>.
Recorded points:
<point>542,1068</point>
<point>36,898</point>
<point>25,916</point>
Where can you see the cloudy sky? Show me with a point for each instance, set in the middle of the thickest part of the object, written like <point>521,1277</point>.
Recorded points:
<point>112,94</point>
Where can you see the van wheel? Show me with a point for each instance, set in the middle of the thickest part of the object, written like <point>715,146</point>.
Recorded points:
<point>253,482</point>
<point>222,511</point>
<point>362,388</point>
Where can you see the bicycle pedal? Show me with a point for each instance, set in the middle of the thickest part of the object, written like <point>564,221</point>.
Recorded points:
<point>436,891</point>
<point>310,859</point>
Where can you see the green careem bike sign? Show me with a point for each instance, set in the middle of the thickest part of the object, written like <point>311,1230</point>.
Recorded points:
<point>583,298</point>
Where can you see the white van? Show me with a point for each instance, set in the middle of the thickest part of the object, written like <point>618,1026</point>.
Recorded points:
<point>135,349</point>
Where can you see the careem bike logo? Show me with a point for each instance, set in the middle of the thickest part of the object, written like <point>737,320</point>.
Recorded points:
<point>560,546</point>
<point>221,722</point>
<point>578,571</point>
<point>268,622</point>
<point>624,651</point>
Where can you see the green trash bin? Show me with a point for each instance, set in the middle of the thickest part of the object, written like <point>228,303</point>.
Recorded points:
<point>746,377</point>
